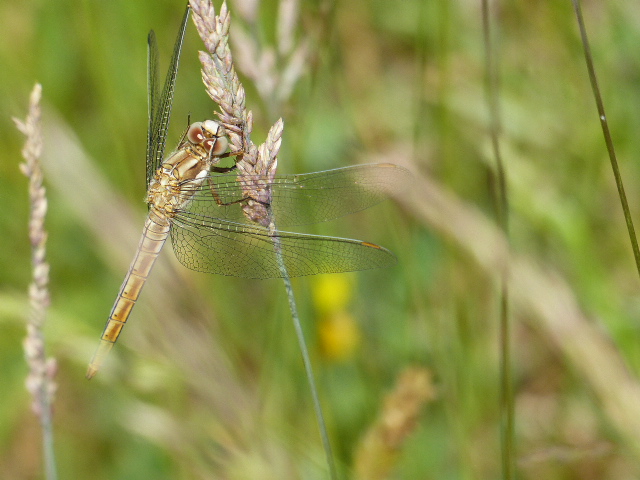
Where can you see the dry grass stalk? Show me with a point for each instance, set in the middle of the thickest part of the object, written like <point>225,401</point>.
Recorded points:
<point>41,370</point>
<point>274,70</point>
<point>378,450</point>
<point>287,21</point>
<point>255,178</point>
<point>40,380</point>
<point>247,9</point>
<point>218,73</point>
<point>256,165</point>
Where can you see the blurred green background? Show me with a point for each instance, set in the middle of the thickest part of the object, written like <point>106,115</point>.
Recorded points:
<point>206,380</point>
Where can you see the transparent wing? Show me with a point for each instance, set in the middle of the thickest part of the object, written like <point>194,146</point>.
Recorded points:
<point>160,107</point>
<point>302,199</point>
<point>152,91</point>
<point>211,245</point>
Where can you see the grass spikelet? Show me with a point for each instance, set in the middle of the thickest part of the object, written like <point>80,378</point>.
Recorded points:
<point>379,448</point>
<point>40,380</point>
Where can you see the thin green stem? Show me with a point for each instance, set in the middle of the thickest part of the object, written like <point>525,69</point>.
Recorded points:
<point>502,213</point>
<point>305,356</point>
<point>51,471</point>
<point>506,388</point>
<point>607,134</point>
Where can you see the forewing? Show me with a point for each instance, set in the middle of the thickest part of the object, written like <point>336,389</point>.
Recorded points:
<point>152,91</point>
<point>210,245</point>
<point>160,107</point>
<point>303,199</point>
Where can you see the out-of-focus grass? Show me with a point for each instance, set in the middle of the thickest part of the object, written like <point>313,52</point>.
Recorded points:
<point>399,80</point>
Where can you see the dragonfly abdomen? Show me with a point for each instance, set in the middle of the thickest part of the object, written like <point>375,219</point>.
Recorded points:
<point>155,233</point>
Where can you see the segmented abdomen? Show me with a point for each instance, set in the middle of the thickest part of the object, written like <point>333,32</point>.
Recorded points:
<point>156,230</point>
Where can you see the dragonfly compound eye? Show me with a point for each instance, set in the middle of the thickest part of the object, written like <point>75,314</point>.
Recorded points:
<point>220,146</point>
<point>211,128</point>
<point>195,134</point>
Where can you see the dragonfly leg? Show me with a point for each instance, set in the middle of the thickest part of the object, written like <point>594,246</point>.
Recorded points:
<point>231,154</point>
<point>223,169</point>
<point>186,130</point>
<point>214,191</point>
<point>223,155</point>
<point>217,198</point>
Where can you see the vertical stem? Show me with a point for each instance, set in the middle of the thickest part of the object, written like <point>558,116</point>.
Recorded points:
<point>40,379</point>
<point>607,134</point>
<point>502,213</point>
<point>305,355</point>
<point>506,387</point>
<point>47,444</point>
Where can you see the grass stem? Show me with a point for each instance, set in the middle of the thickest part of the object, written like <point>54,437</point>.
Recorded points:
<point>502,213</point>
<point>607,134</point>
<point>40,382</point>
<point>305,357</point>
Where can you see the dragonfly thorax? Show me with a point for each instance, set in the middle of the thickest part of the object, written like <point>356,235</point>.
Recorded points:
<point>175,182</point>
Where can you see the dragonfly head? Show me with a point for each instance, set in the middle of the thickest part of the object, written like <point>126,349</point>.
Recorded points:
<point>210,135</point>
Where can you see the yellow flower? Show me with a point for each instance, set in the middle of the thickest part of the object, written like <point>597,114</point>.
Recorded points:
<point>332,293</point>
<point>339,336</point>
<point>338,331</point>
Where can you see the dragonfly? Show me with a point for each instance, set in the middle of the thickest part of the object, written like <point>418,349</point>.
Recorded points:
<point>200,206</point>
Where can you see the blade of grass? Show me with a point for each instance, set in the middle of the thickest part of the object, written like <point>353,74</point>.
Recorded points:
<point>607,134</point>
<point>305,358</point>
<point>502,213</point>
